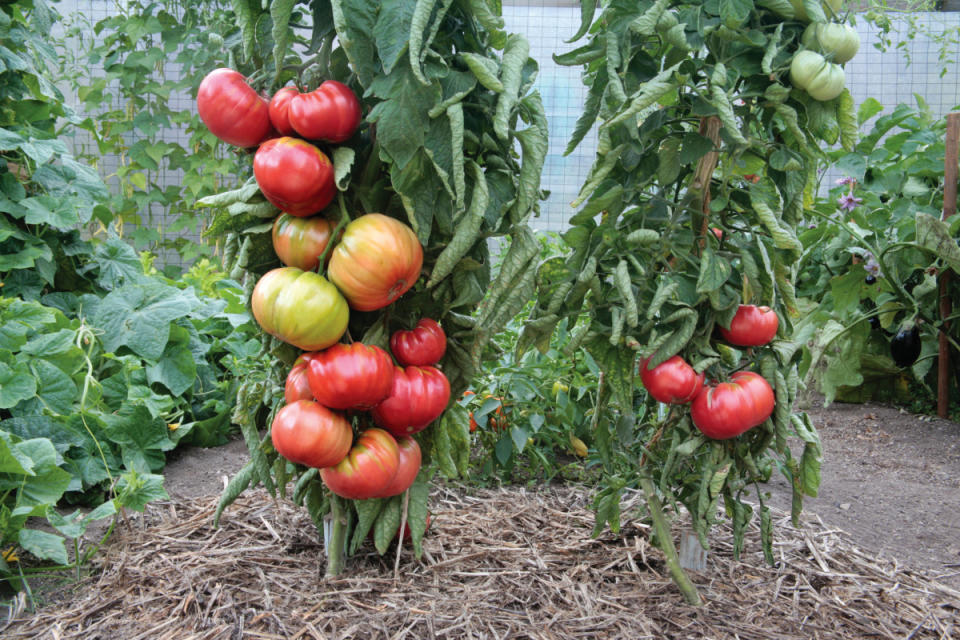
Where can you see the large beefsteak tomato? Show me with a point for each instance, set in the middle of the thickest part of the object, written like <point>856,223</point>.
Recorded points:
<point>752,326</point>
<point>368,468</point>
<point>351,376</point>
<point>331,113</point>
<point>297,387</point>
<point>300,307</point>
<point>727,409</point>
<point>410,459</point>
<point>231,109</point>
<point>418,397</point>
<point>298,242</point>
<point>421,346</point>
<point>307,433</point>
<point>377,260</point>
<point>294,176</point>
<point>672,381</point>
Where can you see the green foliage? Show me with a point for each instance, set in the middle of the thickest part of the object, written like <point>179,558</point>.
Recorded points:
<point>453,142</point>
<point>118,68</point>
<point>900,24</point>
<point>678,133</point>
<point>870,266</point>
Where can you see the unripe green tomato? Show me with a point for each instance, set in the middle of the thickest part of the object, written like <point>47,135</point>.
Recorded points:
<point>839,42</point>
<point>830,7</point>
<point>300,307</point>
<point>828,83</point>
<point>804,67</point>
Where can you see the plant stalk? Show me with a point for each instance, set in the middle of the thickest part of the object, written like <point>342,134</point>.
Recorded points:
<point>338,538</point>
<point>662,529</point>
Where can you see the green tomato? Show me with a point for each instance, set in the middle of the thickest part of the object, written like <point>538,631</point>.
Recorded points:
<point>300,307</point>
<point>830,7</point>
<point>804,67</point>
<point>839,42</point>
<point>828,83</point>
<point>558,387</point>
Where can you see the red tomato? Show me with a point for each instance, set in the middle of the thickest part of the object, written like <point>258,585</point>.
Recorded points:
<point>297,387</point>
<point>331,112</point>
<point>294,176</point>
<point>367,470</point>
<point>350,376</point>
<point>310,434</point>
<point>672,381</point>
<point>410,458</point>
<point>727,409</point>
<point>422,346</point>
<point>279,110</point>
<point>299,307</point>
<point>298,242</point>
<point>231,109</point>
<point>752,326</point>
<point>418,397</point>
<point>405,531</point>
<point>717,232</point>
<point>377,261</point>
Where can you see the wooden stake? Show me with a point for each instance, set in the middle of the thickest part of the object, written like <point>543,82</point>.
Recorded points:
<point>950,177</point>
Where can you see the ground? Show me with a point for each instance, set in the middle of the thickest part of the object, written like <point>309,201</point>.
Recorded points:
<point>878,556</point>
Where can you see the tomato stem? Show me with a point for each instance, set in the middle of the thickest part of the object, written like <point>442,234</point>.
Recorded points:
<point>665,542</point>
<point>338,537</point>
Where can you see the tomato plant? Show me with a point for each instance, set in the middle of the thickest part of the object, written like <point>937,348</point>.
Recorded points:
<point>299,307</point>
<point>751,326</point>
<point>367,470</point>
<point>310,434</point>
<point>331,112</point>
<point>687,107</point>
<point>423,345</point>
<point>418,397</point>
<point>295,176</point>
<point>231,109</point>
<point>354,376</point>
<point>376,261</point>
<point>299,242</point>
<point>672,381</point>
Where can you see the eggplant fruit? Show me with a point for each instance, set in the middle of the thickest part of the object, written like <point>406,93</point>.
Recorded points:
<point>905,345</point>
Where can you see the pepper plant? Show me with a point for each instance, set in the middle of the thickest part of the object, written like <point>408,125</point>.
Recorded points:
<point>452,142</point>
<point>706,160</point>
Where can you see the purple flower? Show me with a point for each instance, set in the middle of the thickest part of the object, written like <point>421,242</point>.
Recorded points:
<point>846,180</point>
<point>849,202</point>
<point>812,225</point>
<point>872,266</point>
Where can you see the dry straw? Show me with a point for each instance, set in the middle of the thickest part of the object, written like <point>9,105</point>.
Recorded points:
<point>507,563</point>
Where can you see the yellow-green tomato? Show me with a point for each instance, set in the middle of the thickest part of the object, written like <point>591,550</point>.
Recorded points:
<point>828,83</point>
<point>300,307</point>
<point>838,42</point>
<point>558,387</point>
<point>804,67</point>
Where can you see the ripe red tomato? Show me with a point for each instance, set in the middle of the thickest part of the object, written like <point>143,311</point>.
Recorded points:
<point>727,409</point>
<point>405,531</point>
<point>752,326</point>
<point>672,381</point>
<point>298,242</point>
<point>300,307</point>
<point>418,397</point>
<point>294,176</point>
<point>331,113</point>
<point>231,109</point>
<point>279,110</point>
<point>307,433</point>
<point>368,468</point>
<point>377,261</point>
<point>350,376</point>
<point>410,459</point>
<point>424,345</point>
<point>297,387</point>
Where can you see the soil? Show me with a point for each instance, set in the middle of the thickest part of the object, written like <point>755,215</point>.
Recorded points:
<point>889,478</point>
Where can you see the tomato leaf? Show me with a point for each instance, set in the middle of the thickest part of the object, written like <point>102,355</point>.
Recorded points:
<point>280,11</point>
<point>367,512</point>
<point>356,22</point>
<point>714,271</point>
<point>387,523</point>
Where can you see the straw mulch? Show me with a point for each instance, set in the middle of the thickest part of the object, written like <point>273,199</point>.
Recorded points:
<point>505,563</point>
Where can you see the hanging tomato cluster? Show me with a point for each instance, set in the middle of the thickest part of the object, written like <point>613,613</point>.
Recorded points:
<point>371,264</point>
<point>720,410</point>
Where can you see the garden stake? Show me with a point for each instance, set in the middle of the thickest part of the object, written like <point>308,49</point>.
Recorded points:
<point>950,170</point>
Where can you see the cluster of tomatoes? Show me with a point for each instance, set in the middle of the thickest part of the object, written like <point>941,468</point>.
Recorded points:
<point>375,261</point>
<point>401,400</point>
<point>720,410</point>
